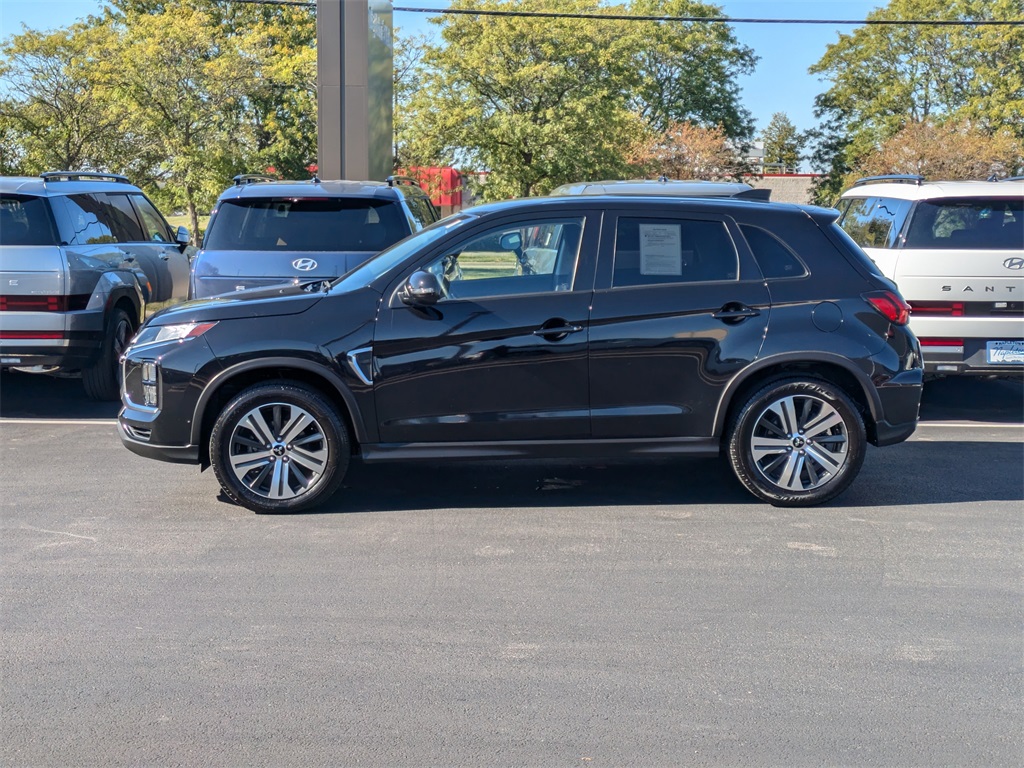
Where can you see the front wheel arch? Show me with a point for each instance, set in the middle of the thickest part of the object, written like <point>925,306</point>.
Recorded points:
<point>228,383</point>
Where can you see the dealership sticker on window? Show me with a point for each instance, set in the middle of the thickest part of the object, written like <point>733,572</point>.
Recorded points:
<point>661,250</point>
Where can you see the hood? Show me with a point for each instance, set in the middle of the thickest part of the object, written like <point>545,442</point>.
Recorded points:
<point>284,299</point>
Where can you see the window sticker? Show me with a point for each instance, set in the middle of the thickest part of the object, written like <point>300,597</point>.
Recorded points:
<point>661,250</point>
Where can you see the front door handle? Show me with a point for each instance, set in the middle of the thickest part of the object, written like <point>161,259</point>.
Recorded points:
<point>557,329</point>
<point>734,312</point>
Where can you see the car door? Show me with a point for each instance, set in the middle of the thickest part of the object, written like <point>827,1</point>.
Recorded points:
<point>503,354</point>
<point>164,258</point>
<point>678,310</point>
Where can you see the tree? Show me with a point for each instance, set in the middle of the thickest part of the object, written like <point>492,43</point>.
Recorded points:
<point>543,101</point>
<point>688,151</point>
<point>182,81</point>
<point>782,142</point>
<point>54,102</point>
<point>952,150</point>
<point>886,77</point>
<point>687,71</point>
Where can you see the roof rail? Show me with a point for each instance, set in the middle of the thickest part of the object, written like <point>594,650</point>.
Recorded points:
<point>250,178</point>
<point>1012,178</point>
<point>79,175</point>
<point>401,181</point>
<point>895,178</point>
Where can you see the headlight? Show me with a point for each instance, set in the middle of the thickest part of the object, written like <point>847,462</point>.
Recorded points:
<point>158,334</point>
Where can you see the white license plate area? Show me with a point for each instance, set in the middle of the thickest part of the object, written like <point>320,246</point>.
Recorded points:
<point>1005,352</point>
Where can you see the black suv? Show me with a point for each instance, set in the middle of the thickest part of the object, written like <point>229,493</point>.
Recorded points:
<point>583,326</point>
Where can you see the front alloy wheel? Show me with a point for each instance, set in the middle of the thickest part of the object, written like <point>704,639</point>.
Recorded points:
<point>279,447</point>
<point>797,442</point>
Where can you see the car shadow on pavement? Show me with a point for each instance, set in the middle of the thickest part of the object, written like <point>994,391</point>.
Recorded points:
<point>966,398</point>
<point>913,473</point>
<point>37,396</point>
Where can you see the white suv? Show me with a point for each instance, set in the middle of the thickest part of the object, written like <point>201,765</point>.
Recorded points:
<point>956,250</point>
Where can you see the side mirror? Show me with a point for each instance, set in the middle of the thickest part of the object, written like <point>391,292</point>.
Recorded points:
<point>182,236</point>
<point>511,241</point>
<point>422,288</point>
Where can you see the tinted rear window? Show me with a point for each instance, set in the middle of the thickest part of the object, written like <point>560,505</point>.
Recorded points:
<point>26,220</point>
<point>968,223</point>
<point>322,224</point>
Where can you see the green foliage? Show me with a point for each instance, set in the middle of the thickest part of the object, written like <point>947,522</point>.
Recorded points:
<point>539,101</point>
<point>886,77</point>
<point>782,142</point>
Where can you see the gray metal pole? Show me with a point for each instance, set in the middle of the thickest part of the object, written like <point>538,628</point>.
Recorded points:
<point>354,88</point>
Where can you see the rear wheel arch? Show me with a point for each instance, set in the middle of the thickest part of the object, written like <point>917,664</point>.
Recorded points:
<point>229,383</point>
<point>828,368</point>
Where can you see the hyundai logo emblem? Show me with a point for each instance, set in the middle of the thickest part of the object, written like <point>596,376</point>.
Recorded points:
<point>1015,262</point>
<point>304,265</point>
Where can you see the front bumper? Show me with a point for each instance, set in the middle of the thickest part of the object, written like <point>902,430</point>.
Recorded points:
<point>131,439</point>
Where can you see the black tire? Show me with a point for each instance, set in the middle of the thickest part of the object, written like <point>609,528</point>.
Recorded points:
<point>782,461</point>
<point>102,379</point>
<point>287,472</point>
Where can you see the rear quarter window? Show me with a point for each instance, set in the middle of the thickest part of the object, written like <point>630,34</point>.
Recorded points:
<point>773,256</point>
<point>314,224</point>
<point>26,220</point>
<point>873,222</point>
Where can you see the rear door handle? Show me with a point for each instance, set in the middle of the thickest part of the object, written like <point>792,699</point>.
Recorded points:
<point>735,312</point>
<point>554,330</point>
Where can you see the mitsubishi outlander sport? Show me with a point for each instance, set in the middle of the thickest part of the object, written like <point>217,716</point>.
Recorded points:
<point>580,326</point>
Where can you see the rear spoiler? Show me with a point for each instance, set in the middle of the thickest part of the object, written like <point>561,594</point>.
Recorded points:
<point>753,194</point>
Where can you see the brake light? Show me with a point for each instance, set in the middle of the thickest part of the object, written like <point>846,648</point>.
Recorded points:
<point>890,305</point>
<point>950,309</point>
<point>34,303</point>
<point>31,335</point>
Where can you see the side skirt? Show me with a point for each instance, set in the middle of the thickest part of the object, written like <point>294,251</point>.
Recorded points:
<point>543,449</point>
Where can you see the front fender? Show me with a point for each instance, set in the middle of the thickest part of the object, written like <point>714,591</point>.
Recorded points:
<point>319,370</point>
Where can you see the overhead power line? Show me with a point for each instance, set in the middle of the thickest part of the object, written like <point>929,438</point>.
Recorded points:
<point>683,19</point>
<point>713,19</point>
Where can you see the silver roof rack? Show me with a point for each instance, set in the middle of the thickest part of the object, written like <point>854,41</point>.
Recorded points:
<point>80,175</point>
<point>892,178</point>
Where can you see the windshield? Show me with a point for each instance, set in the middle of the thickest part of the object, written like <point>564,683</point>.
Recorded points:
<point>25,220</point>
<point>306,224</point>
<point>393,257</point>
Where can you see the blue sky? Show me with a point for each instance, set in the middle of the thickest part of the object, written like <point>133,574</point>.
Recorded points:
<point>780,83</point>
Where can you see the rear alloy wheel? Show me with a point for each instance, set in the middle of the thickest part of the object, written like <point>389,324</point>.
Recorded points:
<point>102,379</point>
<point>797,442</point>
<point>279,447</point>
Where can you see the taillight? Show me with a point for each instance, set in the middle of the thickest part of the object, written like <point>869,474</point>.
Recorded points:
<point>943,308</point>
<point>890,305</point>
<point>33,303</point>
<point>31,335</point>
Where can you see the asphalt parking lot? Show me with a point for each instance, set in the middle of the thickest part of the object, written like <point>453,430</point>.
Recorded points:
<point>535,614</point>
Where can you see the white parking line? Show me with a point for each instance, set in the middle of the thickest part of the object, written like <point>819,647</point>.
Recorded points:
<point>78,422</point>
<point>967,425</point>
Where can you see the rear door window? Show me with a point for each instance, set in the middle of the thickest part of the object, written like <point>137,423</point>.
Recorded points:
<point>659,251</point>
<point>968,223</point>
<point>307,224</point>
<point>131,230</point>
<point>95,220</point>
<point>26,220</point>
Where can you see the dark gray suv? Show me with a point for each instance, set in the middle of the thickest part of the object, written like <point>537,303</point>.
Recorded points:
<point>266,232</point>
<point>83,257</point>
